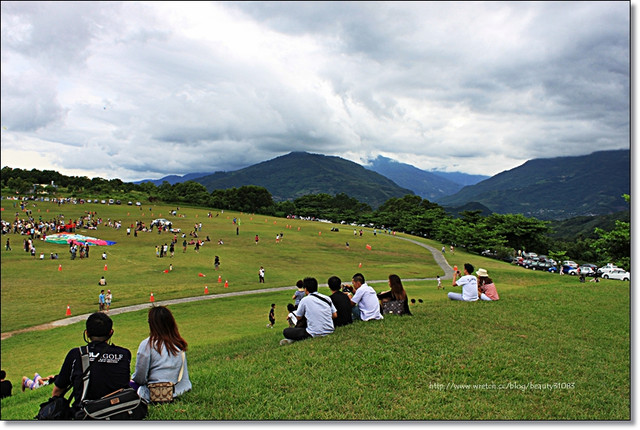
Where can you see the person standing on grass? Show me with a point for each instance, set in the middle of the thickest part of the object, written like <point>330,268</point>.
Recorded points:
<point>216,262</point>
<point>257,239</point>
<point>101,300</point>
<point>261,275</point>
<point>439,282</point>
<point>107,300</point>
<point>469,285</point>
<point>317,309</point>
<point>364,300</point>
<point>272,315</point>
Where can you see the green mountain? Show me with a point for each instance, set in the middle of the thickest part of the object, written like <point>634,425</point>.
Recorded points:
<point>300,173</point>
<point>555,188</point>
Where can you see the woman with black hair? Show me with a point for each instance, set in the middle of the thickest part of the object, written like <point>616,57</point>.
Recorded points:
<point>161,357</point>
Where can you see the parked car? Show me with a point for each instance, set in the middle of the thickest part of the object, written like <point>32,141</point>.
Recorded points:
<point>546,266</point>
<point>607,268</point>
<point>620,274</point>
<point>585,270</point>
<point>589,269</point>
<point>570,263</point>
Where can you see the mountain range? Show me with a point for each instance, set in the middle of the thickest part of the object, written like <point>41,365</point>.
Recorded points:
<point>555,188</point>
<point>545,188</point>
<point>299,173</point>
<point>428,185</point>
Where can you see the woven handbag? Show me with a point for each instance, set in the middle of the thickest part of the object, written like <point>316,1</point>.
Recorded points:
<point>162,392</point>
<point>393,307</point>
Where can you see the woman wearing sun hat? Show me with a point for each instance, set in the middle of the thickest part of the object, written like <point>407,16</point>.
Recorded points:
<point>486,289</point>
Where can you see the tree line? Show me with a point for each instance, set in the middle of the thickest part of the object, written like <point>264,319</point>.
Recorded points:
<point>503,234</point>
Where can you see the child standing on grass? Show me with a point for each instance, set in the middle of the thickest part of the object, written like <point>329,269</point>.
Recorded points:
<point>272,315</point>
<point>439,282</point>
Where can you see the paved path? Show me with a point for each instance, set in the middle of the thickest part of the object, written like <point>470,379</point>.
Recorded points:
<point>437,255</point>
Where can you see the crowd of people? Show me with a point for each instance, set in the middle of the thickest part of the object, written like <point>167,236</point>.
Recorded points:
<point>315,314</point>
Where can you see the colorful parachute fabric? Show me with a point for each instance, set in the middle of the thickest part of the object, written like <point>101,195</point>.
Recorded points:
<point>66,238</point>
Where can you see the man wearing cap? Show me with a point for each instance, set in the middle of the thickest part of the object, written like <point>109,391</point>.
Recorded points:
<point>110,364</point>
<point>469,285</point>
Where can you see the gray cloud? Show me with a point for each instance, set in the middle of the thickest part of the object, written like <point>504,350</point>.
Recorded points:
<point>160,88</point>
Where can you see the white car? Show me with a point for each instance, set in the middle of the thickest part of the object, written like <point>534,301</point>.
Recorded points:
<point>620,274</point>
<point>608,268</point>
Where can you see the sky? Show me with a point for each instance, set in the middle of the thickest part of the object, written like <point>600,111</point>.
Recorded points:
<point>143,90</point>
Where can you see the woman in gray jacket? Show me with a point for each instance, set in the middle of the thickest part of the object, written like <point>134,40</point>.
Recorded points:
<point>161,356</point>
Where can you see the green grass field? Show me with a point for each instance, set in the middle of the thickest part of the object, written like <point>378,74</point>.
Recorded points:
<point>550,349</point>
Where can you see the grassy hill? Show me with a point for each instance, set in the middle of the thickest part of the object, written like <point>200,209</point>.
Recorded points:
<point>555,188</point>
<point>300,173</point>
<point>551,348</point>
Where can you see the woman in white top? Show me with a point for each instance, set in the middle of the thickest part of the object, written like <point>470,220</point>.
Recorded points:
<point>161,356</point>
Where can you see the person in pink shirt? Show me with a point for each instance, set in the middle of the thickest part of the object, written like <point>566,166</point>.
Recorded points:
<point>486,288</point>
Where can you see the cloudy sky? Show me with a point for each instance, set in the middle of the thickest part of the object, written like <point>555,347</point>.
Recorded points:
<point>142,90</point>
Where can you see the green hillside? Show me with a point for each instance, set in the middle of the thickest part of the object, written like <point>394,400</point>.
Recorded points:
<point>555,188</point>
<point>299,173</point>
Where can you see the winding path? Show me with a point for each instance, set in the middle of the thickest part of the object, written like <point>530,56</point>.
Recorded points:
<point>437,255</point>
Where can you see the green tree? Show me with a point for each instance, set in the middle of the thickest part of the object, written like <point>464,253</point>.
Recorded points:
<point>614,246</point>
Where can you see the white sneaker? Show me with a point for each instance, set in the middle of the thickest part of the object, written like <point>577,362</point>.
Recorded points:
<point>285,341</point>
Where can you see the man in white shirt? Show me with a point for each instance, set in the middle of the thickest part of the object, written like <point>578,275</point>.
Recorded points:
<point>364,299</point>
<point>319,312</point>
<point>469,285</point>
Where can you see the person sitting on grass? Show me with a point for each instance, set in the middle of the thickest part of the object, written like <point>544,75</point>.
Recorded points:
<point>291,317</point>
<point>5,384</point>
<point>395,294</point>
<point>364,300</point>
<point>318,311</point>
<point>486,289</point>
<point>340,301</point>
<point>469,285</point>
<point>161,357</point>
<point>110,365</point>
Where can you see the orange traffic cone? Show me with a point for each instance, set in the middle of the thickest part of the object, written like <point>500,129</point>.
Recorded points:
<point>206,289</point>
<point>68,311</point>
<point>59,267</point>
<point>368,247</point>
<point>166,271</point>
<point>226,283</point>
<point>360,265</point>
<point>202,275</point>
<point>219,279</point>
<point>105,267</point>
<point>151,299</point>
